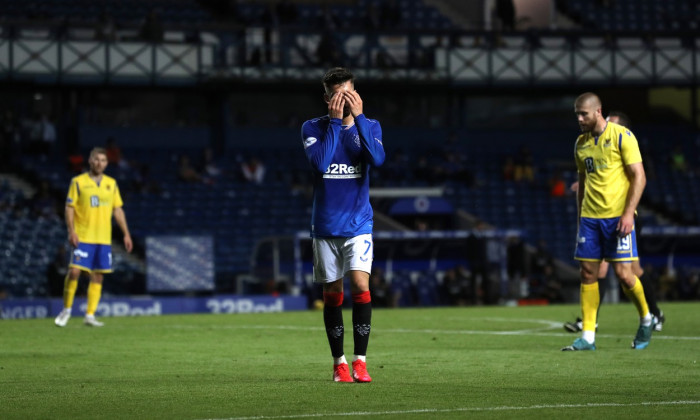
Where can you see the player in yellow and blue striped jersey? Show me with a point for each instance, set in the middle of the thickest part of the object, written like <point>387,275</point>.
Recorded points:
<point>611,182</point>
<point>93,198</point>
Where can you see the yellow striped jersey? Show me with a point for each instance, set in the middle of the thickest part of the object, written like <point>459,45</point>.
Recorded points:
<point>94,204</point>
<point>603,159</point>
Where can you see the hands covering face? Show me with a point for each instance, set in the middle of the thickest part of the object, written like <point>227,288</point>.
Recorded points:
<point>344,102</point>
<point>353,102</point>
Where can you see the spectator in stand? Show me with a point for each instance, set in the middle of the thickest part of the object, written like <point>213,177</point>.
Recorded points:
<point>382,295</point>
<point>151,28</point>
<point>505,10</point>
<point>394,171</point>
<point>457,285</point>
<point>42,135</point>
<point>114,154</point>
<point>477,257</point>
<point>9,139</point>
<point>693,286</point>
<point>550,288</point>
<point>186,172</point>
<point>208,166</point>
<point>382,60</point>
<point>668,284</point>
<point>390,14</point>
<point>557,186</point>
<point>538,263</point>
<point>253,170</point>
<point>76,162</point>
<point>5,153</point>
<point>508,170</point>
<point>48,134</point>
<point>327,52</point>
<point>57,270</point>
<point>9,202</point>
<point>43,204</point>
<point>287,12</point>
<point>452,289</point>
<point>524,166</point>
<point>677,159</point>
<point>271,23</point>
<point>327,19</point>
<point>372,17</point>
<point>453,147</point>
<point>106,29</point>
<point>516,264</point>
<point>423,171</point>
<point>143,182</point>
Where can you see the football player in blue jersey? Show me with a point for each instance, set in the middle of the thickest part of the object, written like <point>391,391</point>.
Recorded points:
<point>341,148</point>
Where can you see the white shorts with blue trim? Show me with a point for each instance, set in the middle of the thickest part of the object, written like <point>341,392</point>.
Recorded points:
<point>334,257</point>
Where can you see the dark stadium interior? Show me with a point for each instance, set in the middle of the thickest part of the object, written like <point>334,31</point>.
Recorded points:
<point>490,146</point>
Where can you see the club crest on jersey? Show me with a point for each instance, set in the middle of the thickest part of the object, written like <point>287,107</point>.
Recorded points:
<point>356,139</point>
<point>309,141</point>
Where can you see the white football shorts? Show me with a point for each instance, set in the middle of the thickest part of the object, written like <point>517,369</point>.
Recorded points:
<point>333,257</point>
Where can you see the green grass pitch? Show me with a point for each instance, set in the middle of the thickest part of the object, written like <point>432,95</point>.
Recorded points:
<point>447,363</point>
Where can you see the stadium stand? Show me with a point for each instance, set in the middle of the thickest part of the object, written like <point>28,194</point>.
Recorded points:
<point>237,213</point>
<point>634,15</point>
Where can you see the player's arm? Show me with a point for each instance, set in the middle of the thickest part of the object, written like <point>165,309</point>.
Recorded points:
<point>634,169</point>
<point>370,133</point>
<point>70,226</point>
<point>320,147</point>
<point>120,218</point>
<point>371,139</point>
<point>638,180</point>
<point>580,191</point>
<point>320,153</point>
<point>71,199</point>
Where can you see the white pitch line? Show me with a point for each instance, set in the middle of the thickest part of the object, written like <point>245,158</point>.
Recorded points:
<point>465,409</point>
<point>536,332</point>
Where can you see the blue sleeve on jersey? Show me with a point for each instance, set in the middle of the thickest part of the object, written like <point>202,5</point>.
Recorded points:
<point>320,146</point>
<point>371,137</point>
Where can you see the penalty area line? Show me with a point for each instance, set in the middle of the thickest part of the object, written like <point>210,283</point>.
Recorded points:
<point>465,409</point>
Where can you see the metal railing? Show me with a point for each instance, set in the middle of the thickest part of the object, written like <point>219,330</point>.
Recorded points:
<point>263,54</point>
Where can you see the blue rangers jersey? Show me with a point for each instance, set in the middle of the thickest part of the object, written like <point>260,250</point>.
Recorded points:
<point>341,158</point>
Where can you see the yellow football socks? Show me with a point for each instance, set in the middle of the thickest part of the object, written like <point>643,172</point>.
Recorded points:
<point>636,295</point>
<point>590,301</point>
<point>93,297</point>
<point>69,287</point>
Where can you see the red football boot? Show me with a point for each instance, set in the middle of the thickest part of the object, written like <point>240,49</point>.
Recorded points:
<point>341,373</point>
<point>359,371</point>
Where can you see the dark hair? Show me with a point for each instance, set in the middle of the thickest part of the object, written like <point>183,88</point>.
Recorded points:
<point>337,76</point>
<point>624,119</point>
